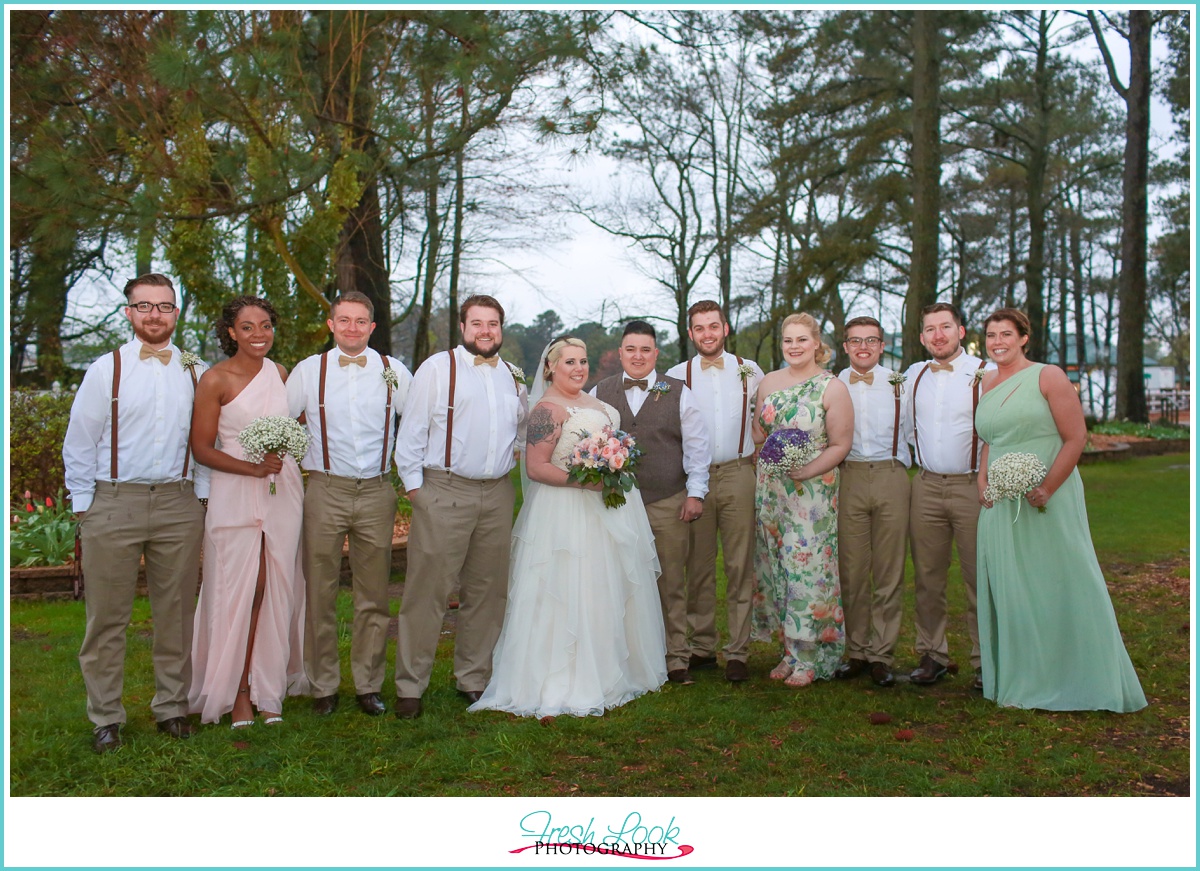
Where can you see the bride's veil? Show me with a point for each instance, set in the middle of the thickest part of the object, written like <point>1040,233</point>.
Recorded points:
<point>535,395</point>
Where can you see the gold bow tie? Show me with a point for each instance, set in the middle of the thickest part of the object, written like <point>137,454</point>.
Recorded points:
<point>855,377</point>
<point>706,363</point>
<point>360,361</point>
<point>941,367</point>
<point>163,356</point>
<point>492,361</point>
<point>636,382</point>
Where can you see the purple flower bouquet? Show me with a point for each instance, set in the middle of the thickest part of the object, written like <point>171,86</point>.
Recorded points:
<point>787,449</point>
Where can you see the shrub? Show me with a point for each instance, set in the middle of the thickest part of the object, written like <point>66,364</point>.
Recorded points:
<point>42,533</point>
<point>37,426</point>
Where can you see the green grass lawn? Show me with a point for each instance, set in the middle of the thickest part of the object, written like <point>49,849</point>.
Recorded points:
<point>710,739</point>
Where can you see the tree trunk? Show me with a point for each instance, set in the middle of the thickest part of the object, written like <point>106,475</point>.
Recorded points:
<point>362,266</point>
<point>1035,306</point>
<point>45,308</point>
<point>456,244</point>
<point>421,345</point>
<point>926,164</point>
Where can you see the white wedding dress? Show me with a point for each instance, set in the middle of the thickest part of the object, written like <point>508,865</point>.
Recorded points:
<point>583,631</point>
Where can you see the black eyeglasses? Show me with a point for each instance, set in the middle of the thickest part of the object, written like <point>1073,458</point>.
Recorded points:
<point>870,342</point>
<point>145,307</point>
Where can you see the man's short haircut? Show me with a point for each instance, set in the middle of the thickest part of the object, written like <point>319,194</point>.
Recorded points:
<point>704,306</point>
<point>639,328</point>
<point>479,299</point>
<point>353,296</point>
<point>936,307</point>
<point>153,279</point>
<point>864,321</point>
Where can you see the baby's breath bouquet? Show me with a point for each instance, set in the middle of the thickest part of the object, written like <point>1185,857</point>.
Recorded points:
<point>1013,475</point>
<point>273,434</point>
<point>787,449</point>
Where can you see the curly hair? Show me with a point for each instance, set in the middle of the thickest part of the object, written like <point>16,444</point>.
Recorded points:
<point>824,352</point>
<point>229,317</point>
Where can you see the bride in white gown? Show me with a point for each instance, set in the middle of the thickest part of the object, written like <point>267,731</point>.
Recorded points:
<point>583,631</point>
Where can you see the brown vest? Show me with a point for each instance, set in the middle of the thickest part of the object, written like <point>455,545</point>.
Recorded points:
<point>659,433</point>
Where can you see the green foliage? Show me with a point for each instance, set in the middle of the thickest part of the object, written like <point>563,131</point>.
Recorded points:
<point>1144,430</point>
<point>37,427</point>
<point>41,532</point>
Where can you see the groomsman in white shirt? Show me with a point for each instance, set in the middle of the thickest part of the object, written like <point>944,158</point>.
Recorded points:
<point>463,423</point>
<point>873,504</point>
<point>137,493</point>
<point>662,415</point>
<point>944,507</point>
<point>723,386</point>
<point>351,397</point>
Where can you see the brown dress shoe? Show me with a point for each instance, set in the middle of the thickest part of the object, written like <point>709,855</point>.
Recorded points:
<point>471,696</point>
<point>736,670</point>
<point>176,727</point>
<point>371,704</point>
<point>681,676</point>
<point>700,662</point>
<point>106,738</point>
<point>407,708</point>
<point>325,705</point>
<point>851,668</point>
<point>930,671</point>
<point>881,675</point>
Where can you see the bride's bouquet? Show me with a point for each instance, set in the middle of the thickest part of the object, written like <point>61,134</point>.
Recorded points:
<point>787,449</point>
<point>607,458</point>
<point>1013,475</point>
<point>273,434</point>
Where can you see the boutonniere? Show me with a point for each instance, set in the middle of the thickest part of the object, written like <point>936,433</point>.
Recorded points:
<point>897,379</point>
<point>659,388</point>
<point>745,371</point>
<point>187,359</point>
<point>391,379</point>
<point>978,375</point>
<point>517,373</point>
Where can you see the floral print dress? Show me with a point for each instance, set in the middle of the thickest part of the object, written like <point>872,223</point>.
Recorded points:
<point>796,550</point>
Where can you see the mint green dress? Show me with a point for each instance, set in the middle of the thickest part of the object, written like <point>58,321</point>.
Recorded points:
<point>1047,630</point>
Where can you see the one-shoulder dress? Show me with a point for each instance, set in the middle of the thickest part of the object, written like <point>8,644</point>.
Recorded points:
<point>583,631</point>
<point>244,520</point>
<point>1047,630</point>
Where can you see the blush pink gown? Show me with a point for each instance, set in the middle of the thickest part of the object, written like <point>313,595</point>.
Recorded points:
<point>243,520</point>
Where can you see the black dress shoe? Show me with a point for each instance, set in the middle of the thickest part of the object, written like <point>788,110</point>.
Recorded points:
<point>700,662</point>
<point>325,705</point>
<point>930,671</point>
<point>471,696</point>
<point>977,684</point>
<point>736,670</point>
<point>106,738</point>
<point>851,668</point>
<point>176,727</point>
<point>881,675</point>
<point>371,704</point>
<point>407,708</point>
<point>680,676</point>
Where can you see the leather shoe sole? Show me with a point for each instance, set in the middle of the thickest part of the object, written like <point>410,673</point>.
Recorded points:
<point>680,676</point>
<point>407,708</point>
<point>176,727</point>
<point>736,671</point>
<point>851,668</point>
<point>471,696</point>
<point>701,662</point>
<point>930,671</point>
<point>371,704</point>
<point>881,675</point>
<point>107,738</point>
<point>325,705</point>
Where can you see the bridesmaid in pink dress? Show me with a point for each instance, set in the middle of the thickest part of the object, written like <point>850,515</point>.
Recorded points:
<point>246,651</point>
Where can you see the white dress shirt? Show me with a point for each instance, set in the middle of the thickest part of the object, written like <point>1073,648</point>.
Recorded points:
<point>945,416</point>
<point>355,406</point>
<point>875,417</point>
<point>154,421</point>
<point>490,411</point>
<point>718,395</point>
<point>697,454</point>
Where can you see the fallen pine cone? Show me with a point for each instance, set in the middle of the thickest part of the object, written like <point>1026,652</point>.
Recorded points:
<point>904,734</point>
<point>879,718</point>
<point>547,721</point>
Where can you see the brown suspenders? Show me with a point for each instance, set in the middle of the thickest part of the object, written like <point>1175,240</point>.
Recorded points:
<point>450,400</point>
<point>116,387</point>
<point>896,429</point>
<point>974,406</point>
<point>387,417</point>
<point>187,451</point>
<point>745,399</point>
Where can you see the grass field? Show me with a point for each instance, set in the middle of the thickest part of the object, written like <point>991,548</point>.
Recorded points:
<point>710,739</point>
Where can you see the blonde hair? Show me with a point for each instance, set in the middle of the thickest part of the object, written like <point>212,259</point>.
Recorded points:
<point>555,351</point>
<point>824,352</point>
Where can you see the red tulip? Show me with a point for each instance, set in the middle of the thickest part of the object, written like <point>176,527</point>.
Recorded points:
<point>29,507</point>
<point>49,502</point>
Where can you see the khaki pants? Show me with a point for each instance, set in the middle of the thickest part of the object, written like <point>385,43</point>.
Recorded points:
<point>671,543</point>
<point>728,509</point>
<point>873,506</point>
<point>461,532</point>
<point>366,510</point>
<point>944,509</point>
<point>165,524</point>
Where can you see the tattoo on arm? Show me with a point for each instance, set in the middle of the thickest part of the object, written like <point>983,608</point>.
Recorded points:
<point>541,427</point>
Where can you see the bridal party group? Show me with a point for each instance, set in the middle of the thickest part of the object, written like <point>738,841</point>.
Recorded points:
<point>244,481</point>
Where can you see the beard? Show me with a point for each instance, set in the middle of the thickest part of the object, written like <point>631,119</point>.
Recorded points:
<point>491,352</point>
<point>153,333</point>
